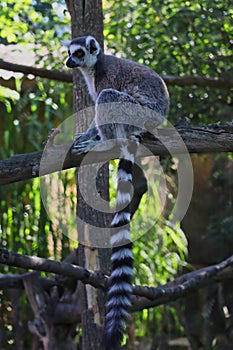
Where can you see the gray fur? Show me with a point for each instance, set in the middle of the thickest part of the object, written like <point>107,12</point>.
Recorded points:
<point>103,72</point>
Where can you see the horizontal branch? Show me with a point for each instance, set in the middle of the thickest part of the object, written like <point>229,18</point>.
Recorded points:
<point>215,138</point>
<point>47,265</point>
<point>144,297</point>
<point>182,286</point>
<point>15,281</point>
<point>38,72</point>
<point>220,83</point>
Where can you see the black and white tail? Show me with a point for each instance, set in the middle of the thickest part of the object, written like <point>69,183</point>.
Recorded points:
<point>120,284</point>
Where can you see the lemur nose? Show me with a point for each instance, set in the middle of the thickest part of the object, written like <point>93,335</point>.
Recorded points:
<point>71,63</point>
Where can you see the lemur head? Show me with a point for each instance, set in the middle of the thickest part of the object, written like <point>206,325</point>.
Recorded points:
<point>83,52</point>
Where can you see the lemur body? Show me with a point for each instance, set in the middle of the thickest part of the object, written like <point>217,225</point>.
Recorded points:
<point>110,72</point>
<point>119,88</point>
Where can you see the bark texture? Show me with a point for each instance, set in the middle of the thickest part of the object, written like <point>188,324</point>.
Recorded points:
<point>87,19</point>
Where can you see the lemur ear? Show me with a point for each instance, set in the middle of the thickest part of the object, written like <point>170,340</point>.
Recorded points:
<point>66,43</point>
<point>92,45</point>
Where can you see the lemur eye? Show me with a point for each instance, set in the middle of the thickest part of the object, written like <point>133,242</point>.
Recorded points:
<point>79,53</point>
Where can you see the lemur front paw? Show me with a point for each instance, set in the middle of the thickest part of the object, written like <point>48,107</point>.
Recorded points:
<point>85,142</point>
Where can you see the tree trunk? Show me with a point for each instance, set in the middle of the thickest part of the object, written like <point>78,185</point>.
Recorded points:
<point>86,17</point>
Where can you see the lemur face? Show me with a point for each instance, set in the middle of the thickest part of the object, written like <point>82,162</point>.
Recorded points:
<point>83,52</point>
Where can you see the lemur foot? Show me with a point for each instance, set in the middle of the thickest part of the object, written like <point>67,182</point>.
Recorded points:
<point>85,142</point>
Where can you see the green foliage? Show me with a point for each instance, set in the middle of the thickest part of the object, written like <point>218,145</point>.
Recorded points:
<point>28,112</point>
<point>159,254</point>
<point>178,38</point>
<point>37,23</point>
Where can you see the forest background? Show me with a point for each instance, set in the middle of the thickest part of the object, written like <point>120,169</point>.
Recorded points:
<point>175,38</point>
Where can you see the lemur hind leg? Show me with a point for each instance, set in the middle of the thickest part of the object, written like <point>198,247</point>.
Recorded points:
<point>114,118</point>
<point>112,106</point>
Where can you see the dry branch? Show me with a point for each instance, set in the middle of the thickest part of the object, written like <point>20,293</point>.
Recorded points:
<point>220,83</point>
<point>215,138</point>
<point>48,314</point>
<point>47,265</point>
<point>144,297</point>
<point>182,286</point>
<point>16,281</point>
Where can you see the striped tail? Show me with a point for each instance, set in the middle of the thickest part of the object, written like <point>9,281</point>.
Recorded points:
<point>120,284</point>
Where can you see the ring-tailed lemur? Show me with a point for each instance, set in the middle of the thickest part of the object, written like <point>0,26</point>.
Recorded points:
<point>119,89</point>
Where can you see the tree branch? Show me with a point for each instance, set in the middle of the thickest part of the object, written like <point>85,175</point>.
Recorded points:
<point>38,72</point>
<point>219,83</point>
<point>144,297</point>
<point>16,281</point>
<point>182,286</point>
<point>214,138</point>
<point>47,265</point>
